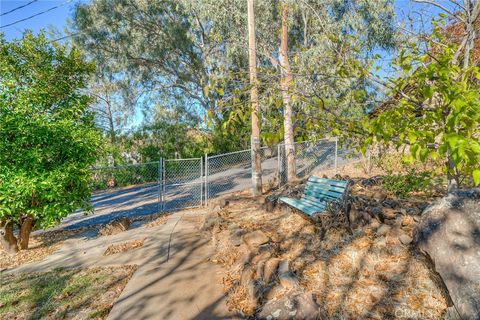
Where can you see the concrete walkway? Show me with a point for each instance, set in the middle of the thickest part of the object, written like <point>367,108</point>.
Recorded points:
<point>175,279</point>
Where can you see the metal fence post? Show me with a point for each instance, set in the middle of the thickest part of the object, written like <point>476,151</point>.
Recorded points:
<point>279,164</point>
<point>159,181</point>
<point>201,181</point>
<point>163,184</point>
<point>336,155</point>
<point>206,179</point>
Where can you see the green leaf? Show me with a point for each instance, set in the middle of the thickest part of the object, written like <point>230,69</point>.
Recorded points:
<point>476,176</point>
<point>412,137</point>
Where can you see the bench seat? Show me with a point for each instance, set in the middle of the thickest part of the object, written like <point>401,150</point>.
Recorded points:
<point>317,194</point>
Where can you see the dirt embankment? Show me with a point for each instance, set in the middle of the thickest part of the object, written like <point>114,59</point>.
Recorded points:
<point>284,265</point>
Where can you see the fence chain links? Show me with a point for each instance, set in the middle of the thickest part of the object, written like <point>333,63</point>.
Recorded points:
<point>188,183</point>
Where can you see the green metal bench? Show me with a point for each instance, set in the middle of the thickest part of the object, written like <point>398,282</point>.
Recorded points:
<point>319,193</point>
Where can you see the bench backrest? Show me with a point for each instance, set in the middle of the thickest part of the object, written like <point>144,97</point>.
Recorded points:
<point>325,190</point>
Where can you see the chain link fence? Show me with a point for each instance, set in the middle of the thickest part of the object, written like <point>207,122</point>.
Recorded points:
<point>174,184</point>
<point>231,172</point>
<point>182,184</point>
<point>309,156</point>
<point>122,191</point>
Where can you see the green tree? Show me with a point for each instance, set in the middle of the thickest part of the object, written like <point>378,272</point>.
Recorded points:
<point>304,72</point>
<point>434,108</point>
<point>47,137</point>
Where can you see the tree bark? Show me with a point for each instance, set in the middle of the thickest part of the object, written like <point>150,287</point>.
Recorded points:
<point>7,239</point>
<point>111,126</point>
<point>285,83</point>
<point>25,230</point>
<point>255,140</point>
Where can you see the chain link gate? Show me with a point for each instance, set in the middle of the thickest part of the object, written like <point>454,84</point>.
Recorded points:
<point>175,184</point>
<point>182,184</point>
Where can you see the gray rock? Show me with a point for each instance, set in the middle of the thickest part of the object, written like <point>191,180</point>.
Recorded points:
<point>255,238</point>
<point>298,306</point>
<point>375,224</point>
<point>236,237</point>
<point>379,196</point>
<point>247,276</point>
<point>383,230</point>
<point>390,222</point>
<point>366,216</point>
<point>391,203</point>
<point>286,276</point>
<point>449,233</point>
<point>388,213</point>
<point>405,239</point>
<point>376,212</point>
<point>270,269</point>
<point>275,292</point>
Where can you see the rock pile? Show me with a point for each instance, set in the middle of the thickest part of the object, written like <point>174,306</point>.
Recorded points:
<point>266,277</point>
<point>280,266</point>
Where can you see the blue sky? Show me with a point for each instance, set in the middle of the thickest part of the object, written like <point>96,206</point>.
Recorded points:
<point>56,17</point>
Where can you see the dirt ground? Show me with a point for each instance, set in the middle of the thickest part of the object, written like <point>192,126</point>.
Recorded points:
<point>370,271</point>
<point>45,243</point>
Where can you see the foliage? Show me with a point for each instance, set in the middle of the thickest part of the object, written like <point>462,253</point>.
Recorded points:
<point>194,54</point>
<point>437,111</point>
<point>403,184</point>
<point>322,38</point>
<point>125,175</point>
<point>157,45</point>
<point>47,136</point>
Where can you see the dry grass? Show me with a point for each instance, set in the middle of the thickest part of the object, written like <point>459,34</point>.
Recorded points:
<point>44,244</point>
<point>40,246</point>
<point>123,247</point>
<point>353,276</point>
<point>63,293</point>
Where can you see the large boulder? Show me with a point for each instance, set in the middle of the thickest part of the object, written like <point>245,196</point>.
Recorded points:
<point>255,239</point>
<point>449,232</point>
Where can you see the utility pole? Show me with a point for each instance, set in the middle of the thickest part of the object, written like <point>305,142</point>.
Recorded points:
<point>255,138</point>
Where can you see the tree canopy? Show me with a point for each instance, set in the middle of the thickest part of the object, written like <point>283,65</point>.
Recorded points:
<point>47,137</point>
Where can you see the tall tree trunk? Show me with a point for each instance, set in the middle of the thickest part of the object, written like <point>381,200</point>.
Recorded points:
<point>25,230</point>
<point>7,239</point>
<point>255,139</point>
<point>111,126</point>
<point>285,86</point>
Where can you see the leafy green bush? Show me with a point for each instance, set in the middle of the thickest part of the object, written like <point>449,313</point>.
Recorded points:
<point>403,184</point>
<point>435,109</point>
<point>48,141</point>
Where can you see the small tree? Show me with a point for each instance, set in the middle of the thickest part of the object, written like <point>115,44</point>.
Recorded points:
<point>437,113</point>
<point>47,136</point>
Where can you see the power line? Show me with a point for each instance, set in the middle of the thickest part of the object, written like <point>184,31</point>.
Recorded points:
<point>19,7</point>
<point>37,14</point>
<point>66,37</point>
